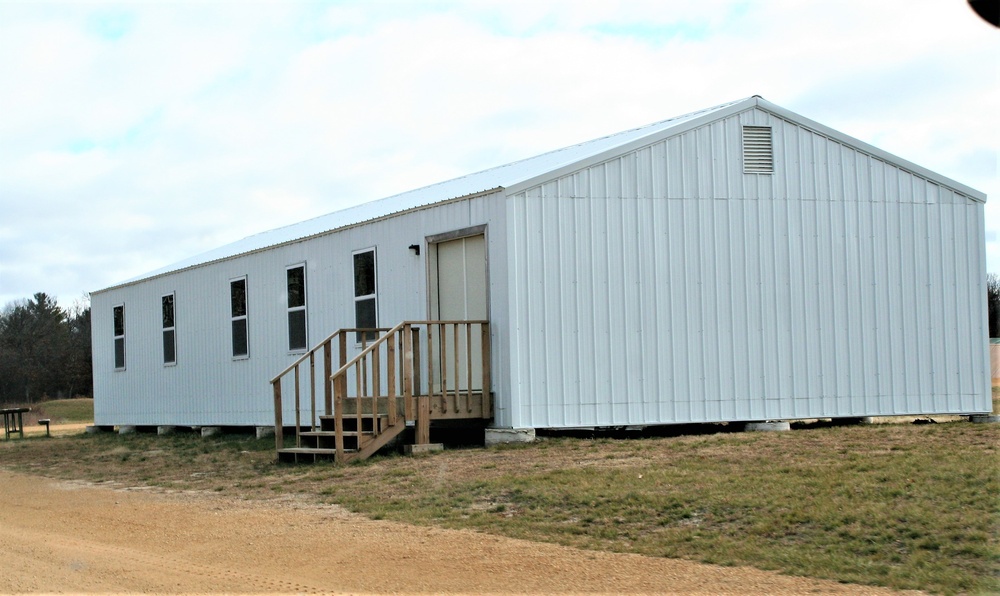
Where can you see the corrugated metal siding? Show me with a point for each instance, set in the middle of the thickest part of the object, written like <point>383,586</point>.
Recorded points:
<point>667,286</point>
<point>208,387</point>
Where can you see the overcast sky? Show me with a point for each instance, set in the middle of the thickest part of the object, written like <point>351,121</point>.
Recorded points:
<point>134,135</point>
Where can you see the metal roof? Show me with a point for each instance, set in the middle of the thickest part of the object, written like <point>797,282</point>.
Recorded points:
<point>494,178</point>
<point>514,177</point>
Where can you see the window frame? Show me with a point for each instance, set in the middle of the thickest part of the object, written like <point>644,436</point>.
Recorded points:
<point>172,329</point>
<point>244,318</point>
<point>303,308</point>
<point>372,296</point>
<point>118,337</point>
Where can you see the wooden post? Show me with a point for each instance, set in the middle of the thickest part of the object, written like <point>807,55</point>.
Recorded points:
<point>442,364</point>
<point>376,384</point>
<point>327,381</point>
<point>423,430</point>
<point>312,389</point>
<point>468,369</point>
<point>408,380</point>
<point>339,388</point>
<point>363,389</point>
<point>390,356</point>
<point>279,437</point>
<point>487,397</point>
<point>454,348</point>
<point>417,386</point>
<point>430,359</point>
<point>343,360</point>
<point>357,396</point>
<point>298,422</point>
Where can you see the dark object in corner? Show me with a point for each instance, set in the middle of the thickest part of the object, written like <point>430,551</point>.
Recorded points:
<point>989,10</point>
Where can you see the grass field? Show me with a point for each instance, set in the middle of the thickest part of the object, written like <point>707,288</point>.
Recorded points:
<point>900,505</point>
<point>66,410</point>
<point>61,411</point>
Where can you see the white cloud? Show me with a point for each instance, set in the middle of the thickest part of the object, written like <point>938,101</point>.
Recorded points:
<point>148,132</point>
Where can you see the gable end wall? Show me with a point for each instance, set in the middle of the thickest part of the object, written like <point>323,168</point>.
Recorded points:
<point>667,286</point>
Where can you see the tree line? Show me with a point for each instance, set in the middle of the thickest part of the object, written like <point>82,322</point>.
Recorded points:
<point>993,302</point>
<point>45,351</point>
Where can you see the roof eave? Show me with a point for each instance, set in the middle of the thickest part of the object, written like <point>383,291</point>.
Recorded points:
<point>305,238</point>
<point>735,108</point>
<point>871,149</point>
<point>653,137</point>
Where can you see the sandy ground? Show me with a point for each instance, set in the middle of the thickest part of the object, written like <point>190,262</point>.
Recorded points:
<point>56,429</point>
<point>59,537</point>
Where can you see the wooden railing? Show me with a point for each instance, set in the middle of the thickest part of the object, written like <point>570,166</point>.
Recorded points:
<point>323,352</point>
<point>389,381</point>
<point>415,371</point>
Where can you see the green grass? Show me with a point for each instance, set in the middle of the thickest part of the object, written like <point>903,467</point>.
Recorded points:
<point>80,409</point>
<point>59,411</point>
<point>898,505</point>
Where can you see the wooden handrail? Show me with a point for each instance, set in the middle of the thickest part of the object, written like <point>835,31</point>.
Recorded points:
<point>444,376</point>
<point>330,337</point>
<point>389,332</point>
<point>387,370</point>
<point>366,351</point>
<point>327,345</point>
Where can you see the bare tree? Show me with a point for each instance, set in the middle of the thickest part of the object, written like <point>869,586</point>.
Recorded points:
<point>993,302</point>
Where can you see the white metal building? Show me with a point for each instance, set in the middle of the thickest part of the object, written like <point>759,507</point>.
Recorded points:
<point>737,263</point>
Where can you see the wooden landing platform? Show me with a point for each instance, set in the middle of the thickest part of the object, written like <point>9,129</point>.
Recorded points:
<point>450,406</point>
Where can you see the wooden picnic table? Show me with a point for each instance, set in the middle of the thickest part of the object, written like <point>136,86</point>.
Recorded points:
<point>13,421</point>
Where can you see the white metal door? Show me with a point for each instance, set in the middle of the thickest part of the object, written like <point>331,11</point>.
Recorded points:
<point>460,295</point>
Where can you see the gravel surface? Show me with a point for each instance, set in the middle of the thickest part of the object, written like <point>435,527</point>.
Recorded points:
<point>59,537</point>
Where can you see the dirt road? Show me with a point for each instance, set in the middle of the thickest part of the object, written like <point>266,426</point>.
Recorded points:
<point>58,537</point>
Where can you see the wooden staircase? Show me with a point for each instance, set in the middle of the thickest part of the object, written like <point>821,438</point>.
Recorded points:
<point>370,399</point>
<point>321,444</point>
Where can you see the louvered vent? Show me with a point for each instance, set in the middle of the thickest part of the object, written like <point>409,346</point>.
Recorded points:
<point>758,154</point>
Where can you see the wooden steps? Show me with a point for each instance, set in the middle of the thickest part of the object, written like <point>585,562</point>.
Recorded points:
<point>299,455</point>
<point>321,444</point>
<point>415,372</point>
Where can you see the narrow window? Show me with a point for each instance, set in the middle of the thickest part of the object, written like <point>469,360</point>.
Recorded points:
<point>119,316</point>
<point>296,308</point>
<point>758,151</point>
<point>238,302</point>
<point>169,338</point>
<point>365,304</point>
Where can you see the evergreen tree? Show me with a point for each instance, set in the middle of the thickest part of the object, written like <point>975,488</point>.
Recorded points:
<point>44,351</point>
<point>993,303</point>
<point>80,368</point>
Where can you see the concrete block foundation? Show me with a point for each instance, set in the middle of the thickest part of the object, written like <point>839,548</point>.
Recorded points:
<point>769,426</point>
<point>426,448</point>
<point>265,431</point>
<point>211,431</point>
<point>165,430</point>
<point>500,436</point>
<point>126,429</point>
<point>984,418</point>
